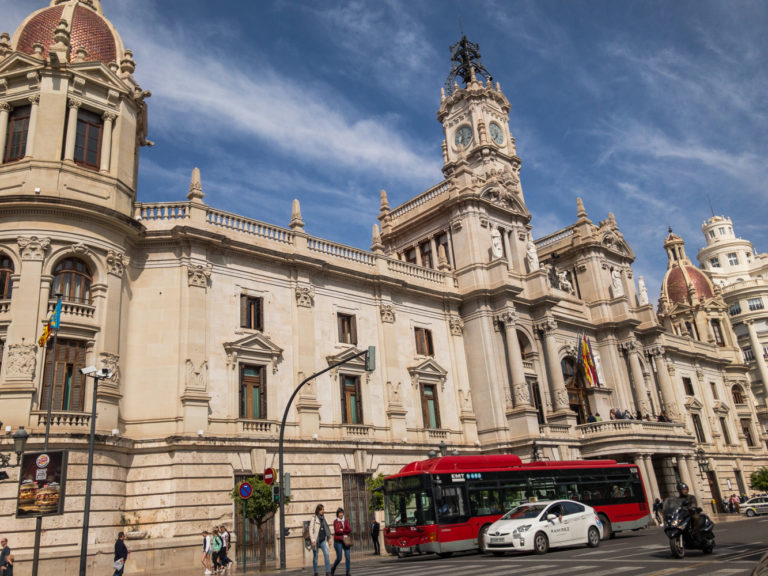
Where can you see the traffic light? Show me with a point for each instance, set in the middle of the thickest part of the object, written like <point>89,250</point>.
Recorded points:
<point>276,493</point>
<point>287,484</point>
<point>370,359</point>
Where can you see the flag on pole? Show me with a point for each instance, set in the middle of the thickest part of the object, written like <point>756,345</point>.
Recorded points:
<point>51,325</point>
<point>46,334</point>
<point>588,362</point>
<point>56,316</point>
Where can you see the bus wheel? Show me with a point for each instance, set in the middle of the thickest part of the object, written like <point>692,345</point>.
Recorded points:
<point>540,543</point>
<point>481,539</point>
<point>445,554</point>
<point>608,532</point>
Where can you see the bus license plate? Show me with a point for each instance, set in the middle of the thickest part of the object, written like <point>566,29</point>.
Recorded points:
<point>497,540</point>
<point>404,549</point>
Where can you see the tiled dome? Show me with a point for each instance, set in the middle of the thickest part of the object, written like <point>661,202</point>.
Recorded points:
<point>88,29</point>
<point>676,286</point>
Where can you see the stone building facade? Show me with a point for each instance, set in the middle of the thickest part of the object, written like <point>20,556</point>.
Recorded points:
<point>210,320</point>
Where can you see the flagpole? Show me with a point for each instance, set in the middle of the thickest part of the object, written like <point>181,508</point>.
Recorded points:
<point>39,519</point>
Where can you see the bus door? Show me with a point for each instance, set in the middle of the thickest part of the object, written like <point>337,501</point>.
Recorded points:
<point>452,512</point>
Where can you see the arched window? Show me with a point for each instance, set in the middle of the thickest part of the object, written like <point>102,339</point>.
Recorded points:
<point>6,269</point>
<point>72,279</point>
<point>738,395</point>
<point>568,366</point>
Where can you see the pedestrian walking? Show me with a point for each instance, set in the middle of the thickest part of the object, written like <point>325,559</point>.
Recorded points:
<point>206,559</point>
<point>320,535</point>
<point>121,555</point>
<point>342,542</point>
<point>375,529</point>
<point>226,539</point>
<point>657,506</point>
<point>5,554</point>
<point>216,545</point>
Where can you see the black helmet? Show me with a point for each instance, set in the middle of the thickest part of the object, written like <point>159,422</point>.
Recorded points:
<point>681,486</point>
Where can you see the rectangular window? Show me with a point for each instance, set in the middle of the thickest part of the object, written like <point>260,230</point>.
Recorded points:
<point>721,230</point>
<point>253,392</point>
<point>717,333</point>
<point>749,356</point>
<point>734,309</point>
<point>714,262</point>
<point>747,429</point>
<point>733,259</point>
<point>351,404</point>
<point>698,428</point>
<point>714,390</point>
<point>251,312</point>
<point>69,385</point>
<point>688,385</point>
<point>755,304</point>
<point>429,408</point>
<point>711,233</point>
<point>426,255</point>
<point>347,328</point>
<point>410,255</point>
<point>424,342</point>
<point>724,426</point>
<point>88,139</point>
<point>18,128</point>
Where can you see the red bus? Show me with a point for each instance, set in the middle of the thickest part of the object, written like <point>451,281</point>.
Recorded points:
<point>445,505</point>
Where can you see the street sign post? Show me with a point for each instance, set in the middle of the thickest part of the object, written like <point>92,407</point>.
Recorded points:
<point>269,476</point>
<point>246,491</point>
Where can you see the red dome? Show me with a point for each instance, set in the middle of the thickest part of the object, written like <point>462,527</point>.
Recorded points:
<point>677,287</point>
<point>88,30</point>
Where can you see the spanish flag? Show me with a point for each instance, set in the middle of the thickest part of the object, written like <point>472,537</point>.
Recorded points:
<point>51,325</point>
<point>588,362</point>
<point>46,334</point>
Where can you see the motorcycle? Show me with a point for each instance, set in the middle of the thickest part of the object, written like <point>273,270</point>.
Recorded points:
<point>679,528</point>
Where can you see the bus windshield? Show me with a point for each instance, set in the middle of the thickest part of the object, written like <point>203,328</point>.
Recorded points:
<point>408,502</point>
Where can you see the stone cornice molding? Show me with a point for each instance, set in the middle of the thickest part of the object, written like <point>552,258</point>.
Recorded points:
<point>33,248</point>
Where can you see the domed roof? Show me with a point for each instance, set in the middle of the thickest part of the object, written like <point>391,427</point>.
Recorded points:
<point>87,29</point>
<point>676,284</point>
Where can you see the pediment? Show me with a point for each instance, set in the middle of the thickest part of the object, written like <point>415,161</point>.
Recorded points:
<point>721,407</point>
<point>693,404</point>
<point>19,63</point>
<point>506,197</point>
<point>345,354</point>
<point>99,73</point>
<point>428,371</point>
<point>614,241</point>
<point>256,348</point>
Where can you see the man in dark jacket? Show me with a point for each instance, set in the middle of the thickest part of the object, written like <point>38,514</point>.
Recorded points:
<point>121,554</point>
<point>375,527</point>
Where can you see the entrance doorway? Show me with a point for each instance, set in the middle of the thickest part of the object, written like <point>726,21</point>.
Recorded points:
<point>356,511</point>
<point>248,530</point>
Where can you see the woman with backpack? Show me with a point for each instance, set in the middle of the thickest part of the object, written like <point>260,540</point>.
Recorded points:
<point>320,535</point>
<point>342,541</point>
<point>216,545</point>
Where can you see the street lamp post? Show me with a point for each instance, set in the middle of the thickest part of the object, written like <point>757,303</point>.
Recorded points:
<point>96,374</point>
<point>370,361</point>
<point>703,462</point>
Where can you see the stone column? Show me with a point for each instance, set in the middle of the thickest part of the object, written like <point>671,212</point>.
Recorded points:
<point>106,140</point>
<point>640,462</point>
<point>757,350</point>
<point>631,348</point>
<point>557,389</point>
<point>686,475</point>
<point>417,249</point>
<point>69,146</point>
<point>35,102</point>
<point>654,484</point>
<point>307,405</point>
<point>5,110</point>
<point>520,394</point>
<point>390,370</point>
<point>668,397</point>
<point>194,359</point>
<point>433,252</point>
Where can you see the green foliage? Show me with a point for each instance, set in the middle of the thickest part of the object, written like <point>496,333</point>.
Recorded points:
<point>375,487</point>
<point>759,480</point>
<point>260,506</point>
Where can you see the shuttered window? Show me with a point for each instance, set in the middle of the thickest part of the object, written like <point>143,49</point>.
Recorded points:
<point>424,342</point>
<point>88,139</point>
<point>18,128</point>
<point>347,329</point>
<point>253,392</point>
<point>69,384</point>
<point>351,405</point>
<point>251,312</point>
<point>429,406</point>
<point>6,271</point>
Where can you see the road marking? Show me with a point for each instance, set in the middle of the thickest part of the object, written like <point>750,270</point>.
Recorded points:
<point>616,570</point>
<point>518,570</point>
<point>724,571</point>
<point>595,552</point>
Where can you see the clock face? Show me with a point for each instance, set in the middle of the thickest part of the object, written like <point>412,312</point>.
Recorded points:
<point>463,136</point>
<point>497,134</point>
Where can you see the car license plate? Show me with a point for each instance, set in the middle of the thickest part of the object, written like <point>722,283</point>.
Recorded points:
<point>404,549</point>
<point>497,540</point>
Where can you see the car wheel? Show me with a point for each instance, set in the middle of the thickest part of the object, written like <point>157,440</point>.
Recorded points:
<point>593,537</point>
<point>481,539</point>
<point>540,543</point>
<point>750,513</point>
<point>608,532</point>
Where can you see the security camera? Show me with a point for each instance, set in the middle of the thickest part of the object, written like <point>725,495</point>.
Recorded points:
<point>88,370</point>
<point>105,373</point>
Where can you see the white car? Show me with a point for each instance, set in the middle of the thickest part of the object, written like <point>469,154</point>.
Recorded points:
<point>539,526</point>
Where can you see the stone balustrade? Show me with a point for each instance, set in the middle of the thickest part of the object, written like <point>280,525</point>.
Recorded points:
<point>62,419</point>
<point>551,239</point>
<point>257,426</point>
<point>328,248</point>
<point>437,434</point>
<point>357,430</point>
<point>73,309</point>
<point>420,200</point>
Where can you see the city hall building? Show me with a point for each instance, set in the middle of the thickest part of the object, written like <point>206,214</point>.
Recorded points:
<point>209,320</point>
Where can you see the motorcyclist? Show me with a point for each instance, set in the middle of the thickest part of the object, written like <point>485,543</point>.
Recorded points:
<point>693,508</point>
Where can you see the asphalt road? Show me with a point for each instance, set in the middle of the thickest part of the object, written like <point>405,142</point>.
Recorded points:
<point>740,546</point>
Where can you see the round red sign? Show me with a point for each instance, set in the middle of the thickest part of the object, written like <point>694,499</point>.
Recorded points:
<point>269,476</point>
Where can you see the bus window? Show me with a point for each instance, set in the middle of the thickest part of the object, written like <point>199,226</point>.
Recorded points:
<point>484,501</point>
<point>514,492</point>
<point>451,506</point>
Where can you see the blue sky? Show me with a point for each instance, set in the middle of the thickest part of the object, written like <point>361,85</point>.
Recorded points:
<point>640,108</point>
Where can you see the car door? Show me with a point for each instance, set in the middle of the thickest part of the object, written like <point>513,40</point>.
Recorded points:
<point>558,529</point>
<point>576,519</point>
<point>761,505</point>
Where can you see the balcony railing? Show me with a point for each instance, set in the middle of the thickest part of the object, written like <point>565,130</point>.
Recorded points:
<point>610,427</point>
<point>357,430</point>
<point>77,309</point>
<point>437,433</point>
<point>257,426</point>
<point>63,418</point>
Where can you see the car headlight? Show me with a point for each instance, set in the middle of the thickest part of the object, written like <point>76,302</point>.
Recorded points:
<point>520,530</point>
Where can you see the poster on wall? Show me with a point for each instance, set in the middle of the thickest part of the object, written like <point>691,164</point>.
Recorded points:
<point>42,483</point>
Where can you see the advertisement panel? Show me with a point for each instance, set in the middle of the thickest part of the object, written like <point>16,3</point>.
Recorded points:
<point>42,483</point>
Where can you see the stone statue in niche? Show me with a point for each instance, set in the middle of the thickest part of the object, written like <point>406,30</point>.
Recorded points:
<point>564,282</point>
<point>618,289</point>
<point>497,250</point>
<point>532,256</point>
<point>598,366</point>
<point>642,292</point>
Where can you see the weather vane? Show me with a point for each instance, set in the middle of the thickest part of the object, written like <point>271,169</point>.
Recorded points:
<point>465,56</point>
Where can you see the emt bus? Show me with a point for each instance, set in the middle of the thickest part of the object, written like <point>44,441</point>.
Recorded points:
<point>445,505</point>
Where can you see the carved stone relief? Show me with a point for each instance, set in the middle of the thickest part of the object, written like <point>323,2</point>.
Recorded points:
<point>116,263</point>
<point>197,378</point>
<point>522,394</point>
<point>112,363</point>
<point>33,247</point>
<point>305,295</point>
<point>387,313</point>
<point>198,275</point>
<point>21,360</point>
<point>457,325</point>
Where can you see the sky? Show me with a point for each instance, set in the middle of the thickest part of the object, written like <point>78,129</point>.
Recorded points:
<point>654,111</point>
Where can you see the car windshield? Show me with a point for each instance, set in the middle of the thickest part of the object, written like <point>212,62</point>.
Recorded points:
<point>524,511</point>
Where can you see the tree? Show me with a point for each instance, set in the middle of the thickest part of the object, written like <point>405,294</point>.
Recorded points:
<point>375,487</point>
<point>259,508</point>
<point>759,480</point>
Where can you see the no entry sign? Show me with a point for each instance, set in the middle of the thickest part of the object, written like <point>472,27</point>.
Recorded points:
<point>246,490</point>
<point>269,476</point>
